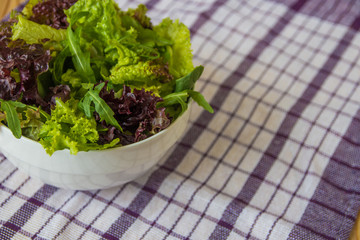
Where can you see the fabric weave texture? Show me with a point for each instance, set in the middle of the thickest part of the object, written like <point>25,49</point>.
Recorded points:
<point>279,158</point>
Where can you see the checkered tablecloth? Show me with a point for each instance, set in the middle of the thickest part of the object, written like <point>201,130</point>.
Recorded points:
<point>279,158</point>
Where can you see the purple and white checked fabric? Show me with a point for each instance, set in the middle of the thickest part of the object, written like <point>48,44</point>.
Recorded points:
<point>279,159</point>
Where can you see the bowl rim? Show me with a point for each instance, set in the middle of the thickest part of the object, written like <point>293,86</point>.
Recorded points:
<point>129,146</point>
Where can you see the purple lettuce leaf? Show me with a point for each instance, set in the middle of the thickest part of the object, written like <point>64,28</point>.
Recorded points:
<point>20,66</point>
<point>51,13</point>
<point>136,113</point>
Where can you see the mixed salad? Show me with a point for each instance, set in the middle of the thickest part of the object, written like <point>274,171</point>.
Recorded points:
<point>85,75</point>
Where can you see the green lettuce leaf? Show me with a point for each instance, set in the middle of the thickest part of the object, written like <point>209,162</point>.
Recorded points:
<point>138,17</point>
<point>140,74</point>
<point>31,124</point>
<point>180,55</point>
<point>121,55</point>
<point>71,78</point>
<point>32,32</point>
<point>103,21</point>
<point>69,128</point>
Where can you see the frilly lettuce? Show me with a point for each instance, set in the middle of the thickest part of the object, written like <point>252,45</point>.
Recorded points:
<point>141,74</point>
<point>139,16</point>
<point>72,78</point>
<point>31,124</point>
<point>69,128</point>
<point>180,59</point>
<point>121,55</point>
<point>103,21</point>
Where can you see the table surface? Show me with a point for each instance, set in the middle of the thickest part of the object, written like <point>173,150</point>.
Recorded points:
<point>279,158</point>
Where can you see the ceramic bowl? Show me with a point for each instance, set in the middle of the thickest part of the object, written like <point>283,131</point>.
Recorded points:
<point>90,170</point>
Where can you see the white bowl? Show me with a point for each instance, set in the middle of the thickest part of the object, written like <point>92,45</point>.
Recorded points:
<point>94,169</point>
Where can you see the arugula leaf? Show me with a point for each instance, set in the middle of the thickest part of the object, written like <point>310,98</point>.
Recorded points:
<point>80,59</point>
<point>101,107</point>
<point>188,81</point>
<point>175,99</point>
<point>181,98</point>
<point>184,89</point>
<point>59,64</point>
<point>12,118</point>
<point>199,99</point>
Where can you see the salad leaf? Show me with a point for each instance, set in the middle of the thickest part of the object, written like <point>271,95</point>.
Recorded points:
<point>12,119</point>
<point>6,31</point>
<point>21,64</point>
<point>27,124</point>
<point>180,55</point>
<point>142,74</point>
<point>60,91</point>
<point>175,99</point>
<point>49,12</point>
<point>139,15</point>
<point>188,81</point>
<point>199,99</point>
<point>121,55</point>
<point>72,78</point>
<point>137,19</point>
<point>104,111</point>
<point>32,124</point>
<point>59,62</point>
<point>33,32</point>
<point>81,60</point>
<point>138,114</point>
<point>42,113</point>
<point>102,23</point>
<point>69,128</point>
<point>181,98</point>
<point>28,9</point>
<point>2,116</point>
<point>183,90</point>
